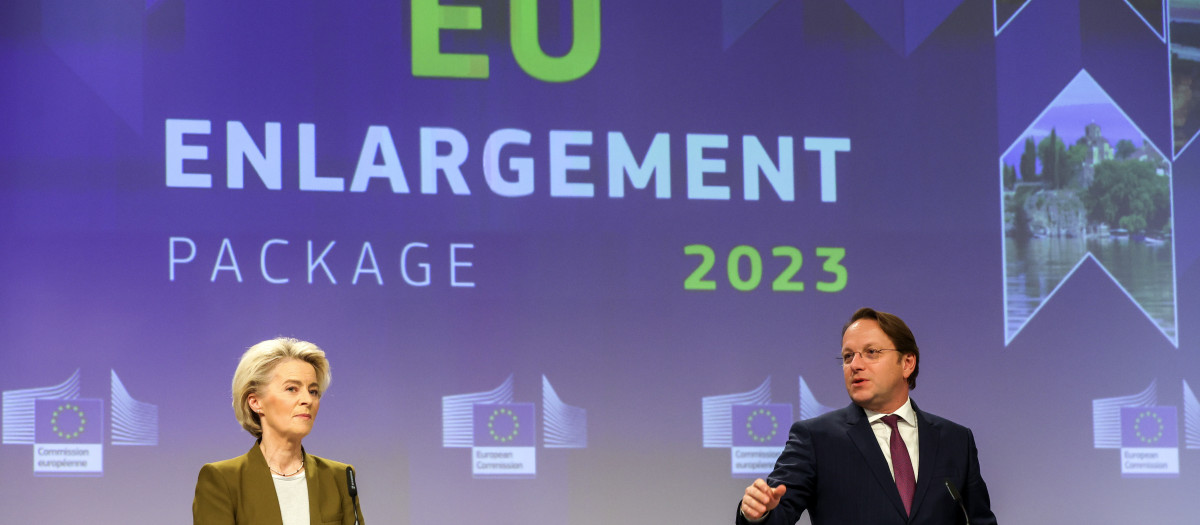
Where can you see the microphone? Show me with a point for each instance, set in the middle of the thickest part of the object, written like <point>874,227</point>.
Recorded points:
<point>957,499</point>
<point>352,487</point>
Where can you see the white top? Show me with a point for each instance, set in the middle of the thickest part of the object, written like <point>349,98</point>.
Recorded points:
<point>293,498</point>
<point>907,425</point>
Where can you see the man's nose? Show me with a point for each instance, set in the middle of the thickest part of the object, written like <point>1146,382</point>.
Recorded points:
<point>857,361</point>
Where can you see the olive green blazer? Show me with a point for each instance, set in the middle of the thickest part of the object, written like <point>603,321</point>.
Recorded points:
<point>241,491</point>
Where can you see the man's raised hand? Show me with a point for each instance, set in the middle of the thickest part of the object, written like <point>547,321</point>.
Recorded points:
<point>760,499</point>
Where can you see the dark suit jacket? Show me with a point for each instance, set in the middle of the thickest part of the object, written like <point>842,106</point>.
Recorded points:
<point>833,467</point>
<point>241,491</point>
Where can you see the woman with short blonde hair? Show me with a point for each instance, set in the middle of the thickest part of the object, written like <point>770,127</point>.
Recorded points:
<point>277,391</point>
<point>256,367</point>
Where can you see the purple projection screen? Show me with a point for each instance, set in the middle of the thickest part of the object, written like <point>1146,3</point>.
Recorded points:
<point>585,261</point>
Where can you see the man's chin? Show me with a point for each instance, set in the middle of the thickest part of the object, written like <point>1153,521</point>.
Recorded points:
<point>862,399</point>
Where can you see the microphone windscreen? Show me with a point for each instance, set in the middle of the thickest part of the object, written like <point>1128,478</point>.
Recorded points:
<point>351,486</point>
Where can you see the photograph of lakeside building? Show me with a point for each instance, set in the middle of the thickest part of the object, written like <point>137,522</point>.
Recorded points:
<point>1082,183</point>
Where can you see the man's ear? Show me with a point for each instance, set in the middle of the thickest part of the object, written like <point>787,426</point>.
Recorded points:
<point>908,364</point>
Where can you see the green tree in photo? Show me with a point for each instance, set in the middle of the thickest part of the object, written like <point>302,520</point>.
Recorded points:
<point>1125,148</point>
<point>1129,194</point>
<point>1029,161</point>
<point>1056,167</point>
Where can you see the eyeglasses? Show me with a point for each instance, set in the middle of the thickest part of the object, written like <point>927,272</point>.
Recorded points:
<point>871,355</point>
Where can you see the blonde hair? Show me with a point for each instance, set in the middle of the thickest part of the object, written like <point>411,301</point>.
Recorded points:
<point>258,365</point>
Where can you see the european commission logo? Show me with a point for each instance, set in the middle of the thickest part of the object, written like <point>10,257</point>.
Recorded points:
<point>1149,442</point>
<point>67,432</point>
<point>502,434</point>
<point>68,437</point>
<point>504,443</point>
<point>1146,433</point>
<point>753,428</point>
<point>759,433</point>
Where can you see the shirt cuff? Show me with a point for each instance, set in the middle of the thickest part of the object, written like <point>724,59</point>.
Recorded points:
<point>759,520</point>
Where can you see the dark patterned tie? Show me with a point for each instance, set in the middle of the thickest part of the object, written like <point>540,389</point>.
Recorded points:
<point>906,482</point>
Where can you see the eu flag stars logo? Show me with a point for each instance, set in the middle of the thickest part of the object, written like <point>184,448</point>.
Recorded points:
<point>1149,442</point>
<point>759,433</point>
<point>752,426</point>
<point>505,441</point>
<point>68,437</point>
<point>502,434</point>
<point>67,432</point>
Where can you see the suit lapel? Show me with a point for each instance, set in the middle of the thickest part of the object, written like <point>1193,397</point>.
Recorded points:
<point>314,488</point>
<point>261,487</point>
<point>860,433</point>
<point>929,437</point>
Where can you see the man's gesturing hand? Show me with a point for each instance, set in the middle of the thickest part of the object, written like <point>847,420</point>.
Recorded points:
<point>760,498</point>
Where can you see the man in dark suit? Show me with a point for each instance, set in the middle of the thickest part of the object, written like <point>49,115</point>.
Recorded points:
<point>880,460</point>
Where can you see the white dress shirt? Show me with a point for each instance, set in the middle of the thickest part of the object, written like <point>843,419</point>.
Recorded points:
<point>907,425</point>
